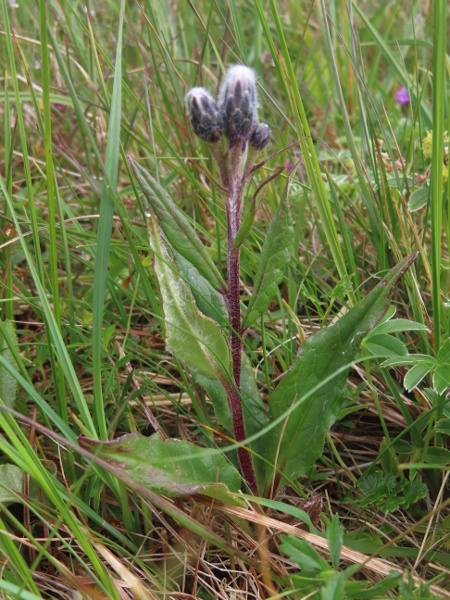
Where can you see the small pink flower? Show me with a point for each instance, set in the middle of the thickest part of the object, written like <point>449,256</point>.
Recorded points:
<point>402,96</point>
<point>289,166</point>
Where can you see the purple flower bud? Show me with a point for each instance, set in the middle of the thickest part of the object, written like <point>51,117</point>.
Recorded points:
<point>238,104</point>
<point>402,96</point>
<point>260,136</point>
<point>203,115</point>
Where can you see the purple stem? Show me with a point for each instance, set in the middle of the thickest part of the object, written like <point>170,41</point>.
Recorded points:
<point>234,206</point>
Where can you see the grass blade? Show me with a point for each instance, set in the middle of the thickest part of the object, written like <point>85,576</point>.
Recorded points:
<point>105,230</point>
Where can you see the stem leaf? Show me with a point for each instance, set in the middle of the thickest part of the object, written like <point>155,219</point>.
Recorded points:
<point>272,263</point>
<point>193,338</point>
<point>177,229</point>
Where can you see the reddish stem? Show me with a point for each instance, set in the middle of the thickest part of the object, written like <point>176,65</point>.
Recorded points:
<point>245,460</point>
<point>234,205</point>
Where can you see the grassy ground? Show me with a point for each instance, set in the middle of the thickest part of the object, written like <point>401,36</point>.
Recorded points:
<point>81,90</point>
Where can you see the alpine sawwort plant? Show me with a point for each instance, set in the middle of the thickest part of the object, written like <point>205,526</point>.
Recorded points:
<point>286,437</point>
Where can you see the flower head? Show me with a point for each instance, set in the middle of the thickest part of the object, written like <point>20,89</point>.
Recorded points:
<point>402,96</point>
<point>203,114</point>
<point>260,136</point>
<point>238,104</point>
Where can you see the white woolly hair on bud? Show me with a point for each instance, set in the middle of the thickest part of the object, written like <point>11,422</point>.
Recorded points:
<point>198,93</point>
<point>236,73</point>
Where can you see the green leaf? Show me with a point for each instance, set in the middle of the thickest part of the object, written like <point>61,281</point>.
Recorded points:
<point>272,262</point>
<point>396,326</point>
<point>441,378</point>
<point>334,589</point>
<point>443,426</point>
<point>301,552</point>
<point>219,399</point>
<point>192,337</point>
<point>335,537</point>
<point>8,383</point>
<point>11,478</point>
<point>246,223</point>
<point>169,467</point>
<point>255,419</point>
<point>104,231</point>
<point>418,199</point>
<point>305,404</point>
<point>177,229</point>
<point>414,376</point>
<point>411,359</point>
<point>385,345</point>
<point>438,456</point>
<point>254,411</point>
<point>209,301</point>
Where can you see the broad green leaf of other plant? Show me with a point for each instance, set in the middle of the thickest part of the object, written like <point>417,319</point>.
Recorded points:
<point>11,478</point>
<point>169,467</point>
<point>272,263</point>
<point>8,383</point>
<point>310,403</point>
<point>177,229</point>
<point>191,337</point>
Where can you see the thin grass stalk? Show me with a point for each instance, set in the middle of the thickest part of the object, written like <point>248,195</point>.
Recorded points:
<point>7,289</point>
<point>30,196</point>
<point>104,232</point>
<point>20,451</point>
<point>16,561</point>
<point>349,135</point>
<point>437,160</point>
<point>51,201</point>
<point>54,333</point>
<point>312,165</point>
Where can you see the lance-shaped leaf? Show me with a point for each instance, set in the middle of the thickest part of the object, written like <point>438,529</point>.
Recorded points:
<point>177,229</point>
<point>297,441</point>
<point>256,419</point>
<point>209,301</point>
<point>246,223</point>
<point>170,467</point>
<point>192,337</point>
<point>272,262</point>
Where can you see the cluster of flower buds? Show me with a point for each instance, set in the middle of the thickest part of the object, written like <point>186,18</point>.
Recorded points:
<point>235,114</point>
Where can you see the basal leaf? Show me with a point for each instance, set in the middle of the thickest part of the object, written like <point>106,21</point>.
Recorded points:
<point>192,337</point>
<point>272,262</point>
<point>177,229</point>
<point>8,383</point>
<point>298,441</point>
<point>219,399</point>
<point>254,411</point>
<point>170,467</point>
<point>255,418</point>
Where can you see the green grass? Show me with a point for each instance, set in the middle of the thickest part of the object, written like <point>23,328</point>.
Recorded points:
<point>80,92</point>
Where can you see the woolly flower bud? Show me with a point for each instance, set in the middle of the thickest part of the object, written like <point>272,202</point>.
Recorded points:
<point>238,104</point>
<point>260,137</point>
<point>203,114</point>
